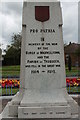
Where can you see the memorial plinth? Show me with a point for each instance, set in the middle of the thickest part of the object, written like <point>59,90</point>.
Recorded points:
<point>42,79</point>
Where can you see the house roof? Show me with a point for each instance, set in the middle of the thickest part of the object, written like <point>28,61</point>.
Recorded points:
<point>71,48</point>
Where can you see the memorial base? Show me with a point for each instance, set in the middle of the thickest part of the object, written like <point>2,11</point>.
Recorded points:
<point>45,112</point>
<point>61,107</point>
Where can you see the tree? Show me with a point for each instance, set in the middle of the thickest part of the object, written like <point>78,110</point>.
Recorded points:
<point>16,41</point>
<point>13,53</point>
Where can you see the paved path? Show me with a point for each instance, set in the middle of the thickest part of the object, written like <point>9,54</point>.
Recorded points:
<point>10,97</point>
<point>6,97</point>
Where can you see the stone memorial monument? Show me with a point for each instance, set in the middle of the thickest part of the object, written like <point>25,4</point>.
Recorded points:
<point>42,91</point>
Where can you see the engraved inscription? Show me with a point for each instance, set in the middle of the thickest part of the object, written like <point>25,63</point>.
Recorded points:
<point>43,57</point>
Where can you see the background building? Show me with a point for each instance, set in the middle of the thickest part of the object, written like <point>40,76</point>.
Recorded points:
<point>72,50</point>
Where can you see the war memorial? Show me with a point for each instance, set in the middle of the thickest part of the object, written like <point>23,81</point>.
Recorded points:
<point>42,93</point>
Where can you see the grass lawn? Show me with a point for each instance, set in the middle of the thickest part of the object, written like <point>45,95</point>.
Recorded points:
<point>15,71</point>
<point>73,89</point>
<point>15,90</point>
<point>10,71</point>
<point>4,92</point>
<point>11,68</point>
<point>74,72</point>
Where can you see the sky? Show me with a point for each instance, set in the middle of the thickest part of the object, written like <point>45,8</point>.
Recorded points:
<point>11,20</point>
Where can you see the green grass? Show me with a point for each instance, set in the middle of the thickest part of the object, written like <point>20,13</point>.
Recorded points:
<point>3,91</point>
<point>74,89</point>
<point>11,68</point>
<point>15,90</point>
<point>10,71</point>
<point>15,71</point>
<point>75,71</point>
